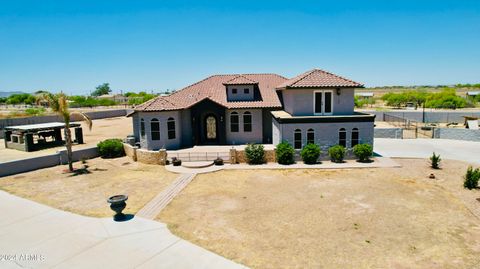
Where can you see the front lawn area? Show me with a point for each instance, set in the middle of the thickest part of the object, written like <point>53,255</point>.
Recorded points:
<point>87,194</point>
<point>350,218</point>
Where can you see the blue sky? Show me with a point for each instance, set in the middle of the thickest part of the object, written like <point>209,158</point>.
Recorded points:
<point>156,45</point>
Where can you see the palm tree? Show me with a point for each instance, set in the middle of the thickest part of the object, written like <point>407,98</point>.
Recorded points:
<point>59,104</point>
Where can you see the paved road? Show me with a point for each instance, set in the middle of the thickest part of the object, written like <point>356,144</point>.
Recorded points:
<point>422,148</point>
<point>56,239</point>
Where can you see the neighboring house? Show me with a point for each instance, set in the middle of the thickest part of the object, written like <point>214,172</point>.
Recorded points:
<point>114,97</point>
<point>316,106</point>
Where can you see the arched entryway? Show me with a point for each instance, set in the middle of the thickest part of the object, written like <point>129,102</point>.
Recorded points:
<point>208,123</point>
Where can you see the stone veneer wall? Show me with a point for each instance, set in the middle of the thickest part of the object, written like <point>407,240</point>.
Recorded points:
<point>241,157</point>
<point>388,133</point>
<point>145,156</point>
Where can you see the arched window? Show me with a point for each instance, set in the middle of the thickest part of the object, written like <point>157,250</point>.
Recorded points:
<point>247,121</point>
<point>310,136</point>
<point>354,137</point>
<point>297,139</point>
<point>342,137</point>
<point>155,129</point>
<point>171,128</point>
<point>142,128</point>
<point>234,122</point>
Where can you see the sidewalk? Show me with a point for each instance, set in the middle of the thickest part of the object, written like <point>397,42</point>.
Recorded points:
<point>37,236</point>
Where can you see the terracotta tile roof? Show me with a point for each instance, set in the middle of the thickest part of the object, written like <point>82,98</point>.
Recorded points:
<point>317,78</point>
<point>214,89</point>
<point>240,80</point>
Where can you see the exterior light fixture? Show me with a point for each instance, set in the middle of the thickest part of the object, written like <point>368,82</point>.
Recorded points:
<point>338,91</point>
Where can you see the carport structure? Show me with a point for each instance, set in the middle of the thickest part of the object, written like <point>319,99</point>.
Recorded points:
<point>39,136</point>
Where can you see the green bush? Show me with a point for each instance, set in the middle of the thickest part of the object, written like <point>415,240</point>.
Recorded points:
<point>310,153</point>
<point>255,153</point>
<point>111,148</point>
<point>435,161</point>
<point>285,153</point>
<point>471,178</point>
<point>336,153</point>
<point>363,152</point>
<point>33,111</point>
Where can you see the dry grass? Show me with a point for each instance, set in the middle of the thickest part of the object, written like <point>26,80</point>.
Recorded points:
<point>357,218</point>
<point>87,194</point>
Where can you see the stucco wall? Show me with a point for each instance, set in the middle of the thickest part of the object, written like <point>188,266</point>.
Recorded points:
<point>147,142</point>
<point>326,134</point>
<point>241,137</point>
<point>301,102</point>
<point>240,95</point>
<point>457,134</point>
<point>186,128</point>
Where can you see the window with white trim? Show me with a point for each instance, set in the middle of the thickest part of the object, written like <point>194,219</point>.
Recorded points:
<point>297,139</point>
<point>355,137</point>
<point>247,122</point>
<point>310,136</point>
<point>234,119</point>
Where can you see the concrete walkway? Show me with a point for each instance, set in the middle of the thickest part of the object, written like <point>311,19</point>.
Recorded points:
<point>467,151</point>
<point>159,202</point>
<point>37,236</point>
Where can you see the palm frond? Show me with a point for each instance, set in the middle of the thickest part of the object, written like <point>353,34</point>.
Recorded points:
<point>84,117</point>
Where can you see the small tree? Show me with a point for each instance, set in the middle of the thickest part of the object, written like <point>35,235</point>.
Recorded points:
<point>310,153</point>
<point>471,178</point>
<point>102,89</point>
<point>435,161</point>
<point>337,153</point>
<point>255,153</point>
<point>59,104</point>
<point>363,152</point>
<point>285,153</point>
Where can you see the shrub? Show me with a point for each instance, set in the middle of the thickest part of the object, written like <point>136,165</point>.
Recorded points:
<point>111,148</point>
<point>363,152</point>
<point>471,178</point>
<point>255,154</point>
<point>285,153</point>
<point>310,153</point>
<point>337,153</point>
<point>176,161</point>
<point>435,161</point>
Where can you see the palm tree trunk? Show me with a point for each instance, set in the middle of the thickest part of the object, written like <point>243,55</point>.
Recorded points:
<point>68,144</point>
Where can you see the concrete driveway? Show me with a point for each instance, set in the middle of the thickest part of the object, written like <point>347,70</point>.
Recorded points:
<point>423,148</point>
<point>37,236</point>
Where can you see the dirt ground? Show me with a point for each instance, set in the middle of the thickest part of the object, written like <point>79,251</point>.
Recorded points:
<point>102,129</point>
<point>87,194</point>
<point>351,218</point>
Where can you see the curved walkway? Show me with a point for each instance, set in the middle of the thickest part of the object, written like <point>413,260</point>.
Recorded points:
<point>467,151</point>
<point>37,236</point>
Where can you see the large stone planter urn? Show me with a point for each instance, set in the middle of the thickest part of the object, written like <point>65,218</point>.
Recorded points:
<point>117,204</point>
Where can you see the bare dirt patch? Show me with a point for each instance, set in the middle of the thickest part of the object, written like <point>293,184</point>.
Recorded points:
<point>351,218</point>
<point>87,194</point>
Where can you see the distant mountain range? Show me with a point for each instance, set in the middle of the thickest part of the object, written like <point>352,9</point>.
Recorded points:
<point>7,94</point>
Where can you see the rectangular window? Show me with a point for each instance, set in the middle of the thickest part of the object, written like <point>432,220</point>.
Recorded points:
<point>297,140</point>
<point>155,130</point>
<point>171,129</point>
<point>342,138</point>
<point>247,122</point>
<point>354,137</point>
<point>318,102</point>
<point>246,91</point>
<point>234,123</point>
<point>323,102</point>
<point>234,91</point>
<point>328,103</point>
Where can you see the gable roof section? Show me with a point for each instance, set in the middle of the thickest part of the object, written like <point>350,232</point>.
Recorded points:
<point>240,80</point>
<point>213,88</point>
<point>317,78</point>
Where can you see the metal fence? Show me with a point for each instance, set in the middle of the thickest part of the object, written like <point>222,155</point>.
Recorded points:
<point>199,156</point>
<point>411,129</point>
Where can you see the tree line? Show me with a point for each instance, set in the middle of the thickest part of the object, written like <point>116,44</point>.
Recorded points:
<point>446,98</point>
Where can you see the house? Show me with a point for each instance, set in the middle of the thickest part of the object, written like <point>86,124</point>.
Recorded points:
<point>314,107</point>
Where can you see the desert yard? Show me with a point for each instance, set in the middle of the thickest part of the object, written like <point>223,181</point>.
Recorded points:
<point>102,129</point>
<point>87,194</point>
<point>351,218</point>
